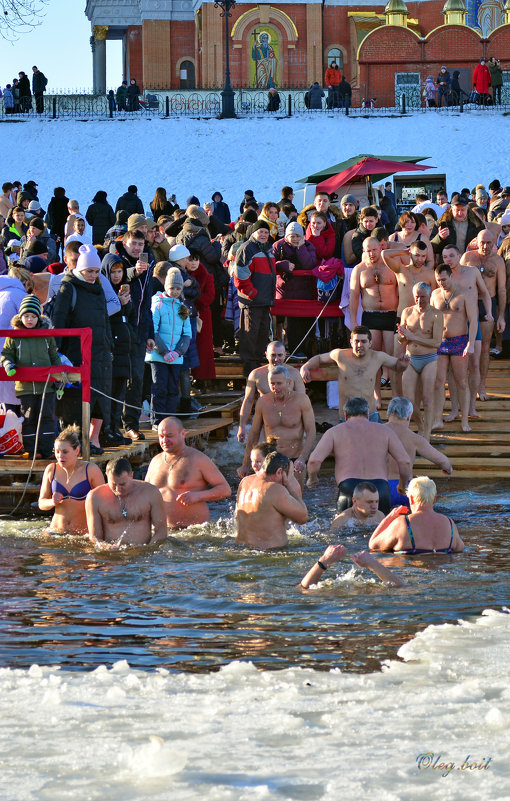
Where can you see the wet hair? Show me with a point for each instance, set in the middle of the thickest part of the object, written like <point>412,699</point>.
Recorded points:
<point>118,466</point>
<point>423,286</point>
<point>380,233</point>
<point>423,490</point>
<point>443,268</point>
<point>400,407</point>
<point>279,369</point>
<point>71,434</point>
<point>452,247</point>
<point>418,244</point>
<point>363,331</point>
<point>266,447</point>
<point>356,407</point>
<point>274,461</point>
<point>360,488</point>
<point>420,218</point>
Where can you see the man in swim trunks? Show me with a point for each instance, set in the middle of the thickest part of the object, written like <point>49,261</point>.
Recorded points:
<point>286,415</point>
<point>376,284</point>
<point>470,279</point>
<point>460,316</point>
<point>400,411</point>
<point>266,501</point>
<point>421,331</point>
<point>257,382</point>
<point>360,449</point>
<point>493,272</point>
<point>364,512</point>
<point>125,511</point>
<point>186,478</point>
<point>357,368</point>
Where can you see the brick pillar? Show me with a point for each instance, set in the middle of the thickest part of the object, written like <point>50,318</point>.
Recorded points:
<point>314,43</point>
<point>212,46</point>
<point>157,63</point>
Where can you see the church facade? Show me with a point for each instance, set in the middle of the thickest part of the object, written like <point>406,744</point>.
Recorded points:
<point>180,44</point>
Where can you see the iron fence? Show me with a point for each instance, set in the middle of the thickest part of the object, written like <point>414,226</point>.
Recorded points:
<point>248,103</point>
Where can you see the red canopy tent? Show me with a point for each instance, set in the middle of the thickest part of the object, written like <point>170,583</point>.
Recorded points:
<point>365,168</point>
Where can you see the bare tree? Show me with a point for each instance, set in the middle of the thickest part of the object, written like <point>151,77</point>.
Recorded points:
<point>20,16</point>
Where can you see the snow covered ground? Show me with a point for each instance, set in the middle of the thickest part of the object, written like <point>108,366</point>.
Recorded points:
<point>189,156</point>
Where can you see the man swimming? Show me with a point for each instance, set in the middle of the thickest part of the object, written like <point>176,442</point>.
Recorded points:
<point>364,512</point>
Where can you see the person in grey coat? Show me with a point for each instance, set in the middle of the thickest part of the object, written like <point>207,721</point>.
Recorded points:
<point>316,93</point>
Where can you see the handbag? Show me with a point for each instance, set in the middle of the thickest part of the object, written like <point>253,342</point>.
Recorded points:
<point>11,441</point>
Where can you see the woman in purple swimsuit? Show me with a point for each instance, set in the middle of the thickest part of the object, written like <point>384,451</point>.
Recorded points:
<point>420,531</point>
<point>66,484</point>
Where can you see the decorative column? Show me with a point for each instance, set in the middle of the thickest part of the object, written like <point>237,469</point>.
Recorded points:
<point>454,12</point>
<point>396,13</point>
<point>99,59</point>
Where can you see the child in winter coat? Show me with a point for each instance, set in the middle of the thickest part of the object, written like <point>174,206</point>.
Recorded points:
<point>429,92</point>
<point>172,334</point>
<point>33,352</point>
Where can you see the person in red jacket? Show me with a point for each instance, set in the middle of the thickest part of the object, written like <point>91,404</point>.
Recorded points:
<point>206,369</point>
<point>482,82</point>
<point>332,80</point>
<point>322,236</point>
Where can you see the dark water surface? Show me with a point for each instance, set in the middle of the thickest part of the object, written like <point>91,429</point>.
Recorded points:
<point>203,603</point>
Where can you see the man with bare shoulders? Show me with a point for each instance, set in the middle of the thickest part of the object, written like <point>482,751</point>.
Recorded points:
<point>186,478</point>
<point>421,331</point>
<point>459,331</point>
<point>286,415</point>
<point>400,411</point>
<point>124,511</point>
<point>357,368</point>
<point>376,284</point>
<point>361,450</point>
<point>493,272</point>
<point>409,265</point>
<point>266,502</point>
<point>364,512</point>
<point>257,382</point>
<point>470,279</point>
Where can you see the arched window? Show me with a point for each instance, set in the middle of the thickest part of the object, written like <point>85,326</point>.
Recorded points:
<point>336,55</point>
<point>187,75</point>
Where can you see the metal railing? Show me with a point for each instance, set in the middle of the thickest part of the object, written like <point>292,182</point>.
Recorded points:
<point>248,102</point>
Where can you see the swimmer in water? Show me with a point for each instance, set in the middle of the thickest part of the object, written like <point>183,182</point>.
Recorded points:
<point>66,484</point>
<point>125,511</point>
<point>364,512</point>
<point>334,553</point>
<point>260,451</point>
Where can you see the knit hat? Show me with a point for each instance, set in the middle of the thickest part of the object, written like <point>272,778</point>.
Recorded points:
<point>121,217</point>
<point>348,199</point>
<point>151,224</point>
<point>481,193</point>
<point>36,248</point>
<point>34,264</point>
<point>258,225</point>
<point>198,214</point>
<point>135,221</point>
<point>88,258</point>
<point>505,190</point>
<point>174,278</point>
<point>178,252</point>
<point>34,206</point>
<point>505,218</point>
<point>294,228</point>
<point>459,200</point>
<point>36,222</point>
<point>30,305</point>
<point>192,201</point>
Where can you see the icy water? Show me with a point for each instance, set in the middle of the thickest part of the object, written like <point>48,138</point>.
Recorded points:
<point>200,670</point>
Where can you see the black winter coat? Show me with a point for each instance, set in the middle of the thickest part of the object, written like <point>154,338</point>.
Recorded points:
<point>123,325</point>
<point>89,312</point>
<point>130,203</point>
<point>39,82</point>
<point>57,215</point>
<point>24,87</point>
<point>101,217</point>
<point>196,237</point>
<point>141,291</point>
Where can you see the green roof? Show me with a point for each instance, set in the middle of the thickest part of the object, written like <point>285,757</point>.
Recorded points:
<point>317,177</point>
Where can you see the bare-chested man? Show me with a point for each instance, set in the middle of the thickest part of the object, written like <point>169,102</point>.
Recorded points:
<point>421,331</point>
<point>376,284</point>
<point>360,449</point>
<point>186,478</point>
<point>266,502</point>
<point>357,368</point>
<point>364,512</point>
<point>124,511</point>
<point>493,272</point>
<point>470,279</point>
<point>460,317</point>
<point>400,411</point>
<point>409,265</point>
<point>286,415</point>
<point>257,382</point>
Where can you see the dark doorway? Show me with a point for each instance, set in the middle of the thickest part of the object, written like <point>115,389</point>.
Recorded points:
<point>187,75</point>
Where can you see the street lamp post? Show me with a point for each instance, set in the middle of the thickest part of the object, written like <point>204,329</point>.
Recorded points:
<point>228,94</point>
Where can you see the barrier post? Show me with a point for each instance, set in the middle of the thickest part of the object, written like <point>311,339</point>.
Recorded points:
<point>167,106</point>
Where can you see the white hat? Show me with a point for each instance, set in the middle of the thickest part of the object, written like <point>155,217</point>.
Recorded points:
<point>14,243</point>
<point>88,258</point>
<point>505,217</point>
<point>178,252</point>
<point>34,205</point>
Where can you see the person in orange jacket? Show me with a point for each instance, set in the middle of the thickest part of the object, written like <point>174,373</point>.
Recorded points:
<point>332,80</point>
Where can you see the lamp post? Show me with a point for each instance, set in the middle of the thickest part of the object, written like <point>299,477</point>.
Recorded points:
<point>228,94</point>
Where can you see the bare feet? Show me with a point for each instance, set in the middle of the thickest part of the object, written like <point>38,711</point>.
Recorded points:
<point>482,395</point>
<point>437,426</point>
<point>452,416</point>
<point>473,414</point>
<point>466,427</point>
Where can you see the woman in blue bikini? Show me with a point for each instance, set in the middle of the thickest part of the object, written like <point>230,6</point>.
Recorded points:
<point>420,531</point>
<point>66,484</point>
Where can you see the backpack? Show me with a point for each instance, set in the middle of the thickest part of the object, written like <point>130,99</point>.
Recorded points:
<point>50,305</point>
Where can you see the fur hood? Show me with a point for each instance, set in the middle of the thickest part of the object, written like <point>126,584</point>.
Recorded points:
<point>44,322</point>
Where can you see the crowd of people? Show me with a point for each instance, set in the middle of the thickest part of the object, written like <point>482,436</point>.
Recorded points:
<point>446,88</point>
<point>422,295</point>
<point>17,96</point>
